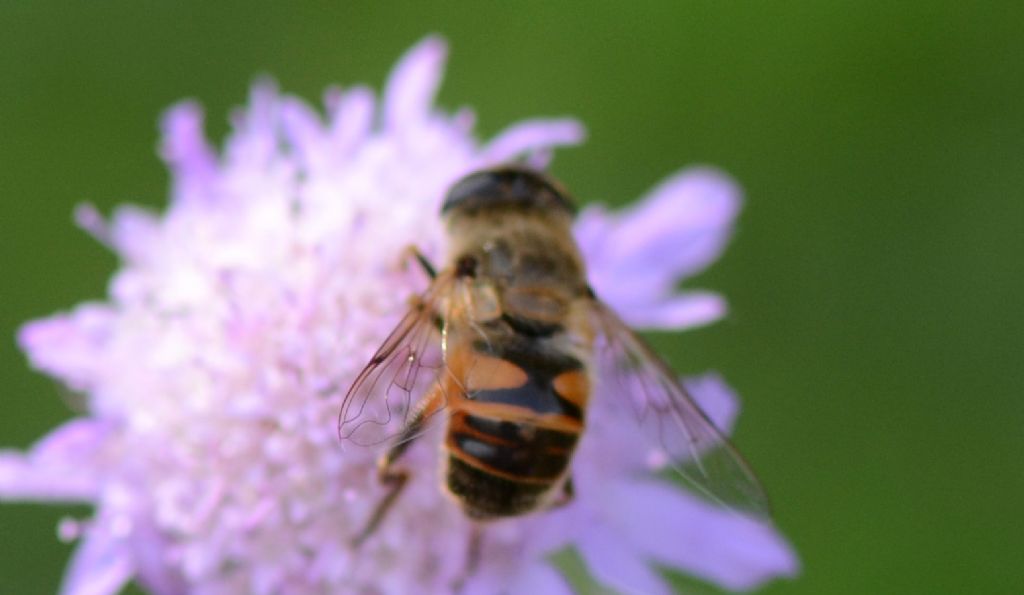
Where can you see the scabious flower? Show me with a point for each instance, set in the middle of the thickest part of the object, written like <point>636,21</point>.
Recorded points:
<point>210,450</point>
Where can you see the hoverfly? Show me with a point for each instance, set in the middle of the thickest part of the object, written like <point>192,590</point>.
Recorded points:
<point>506,346</point>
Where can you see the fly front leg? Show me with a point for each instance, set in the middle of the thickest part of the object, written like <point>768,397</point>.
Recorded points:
<point>393,477</point>
<point>413,252</point>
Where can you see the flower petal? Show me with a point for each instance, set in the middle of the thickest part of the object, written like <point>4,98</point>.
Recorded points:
<point>89,218</point>
<point>58,468</point>
<point>305,133</point>
<point>593,224</point>
<point>673,233</point>
<point>689,310</point>
<point>622,440</point>
<point>715,398</point>
<point>69,346</point>
<point>100,566</point>
<point>186,151</point>
<point>681,226</point>
<point>351,116</point>
<point>612,562</point>
<point>254,142</point>
<point>540,579</point>
<point>716,544</point>
<point>530,136</point>
<point>134,232</point>
<point>409,94</point>
<point>150,558</point>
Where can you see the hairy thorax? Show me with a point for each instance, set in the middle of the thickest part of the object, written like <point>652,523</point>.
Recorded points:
<point>525,265</point>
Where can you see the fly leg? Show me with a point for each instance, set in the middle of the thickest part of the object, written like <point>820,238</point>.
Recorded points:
<point>473,551</point>
<point>393,477</point>
<point>568,493</point>
<point>415,301</point>
<point>394,480</point>
<point>423,261</point>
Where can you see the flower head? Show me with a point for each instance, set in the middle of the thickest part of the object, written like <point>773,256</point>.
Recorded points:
<point>210,450</point>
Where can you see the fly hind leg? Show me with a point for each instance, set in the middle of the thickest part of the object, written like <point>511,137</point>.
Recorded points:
<point>474,550</point>
<point>566,496</point>
<point>393,477</point>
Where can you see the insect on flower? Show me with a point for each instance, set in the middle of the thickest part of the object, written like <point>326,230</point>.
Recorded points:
<point>201,449</point>
<point>505,347</point>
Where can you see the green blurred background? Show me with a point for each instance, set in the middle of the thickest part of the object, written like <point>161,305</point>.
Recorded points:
<point>875,279</point>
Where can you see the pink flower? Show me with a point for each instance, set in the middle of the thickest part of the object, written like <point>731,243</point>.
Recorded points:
<point>209,451</point>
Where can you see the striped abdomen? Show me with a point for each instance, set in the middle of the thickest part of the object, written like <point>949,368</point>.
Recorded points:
<point>511,441</point>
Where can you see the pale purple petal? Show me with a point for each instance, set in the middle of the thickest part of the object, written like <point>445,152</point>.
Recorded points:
<point>255,143</point>
<point>614,563</point>
<point>680,227</point>
<point>636,257</point>
<point>410,90</point>
<point>132,233</point>
<point>101,565</point>
<point>351,117</point>
<point>88,218</point>
<point>59,468</point>
<point>306,133</point>
<point>532,135</point>
<point>154,571</point>
<point>184,148</point>
<point>592,226</point>
<point>677,529</point>
<point>68,346</point>
<point>540,579</point>
<point>716,399</point>
<point>687,310</point>
<point>623,440</point>
<point>613,444</point>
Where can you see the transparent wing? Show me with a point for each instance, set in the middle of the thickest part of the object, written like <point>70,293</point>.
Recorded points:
<point>407,366</point>
<point>675,424</point>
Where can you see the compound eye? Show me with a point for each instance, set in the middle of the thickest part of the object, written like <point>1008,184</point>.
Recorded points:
<point>479,186</point>
<point>506,186</point>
